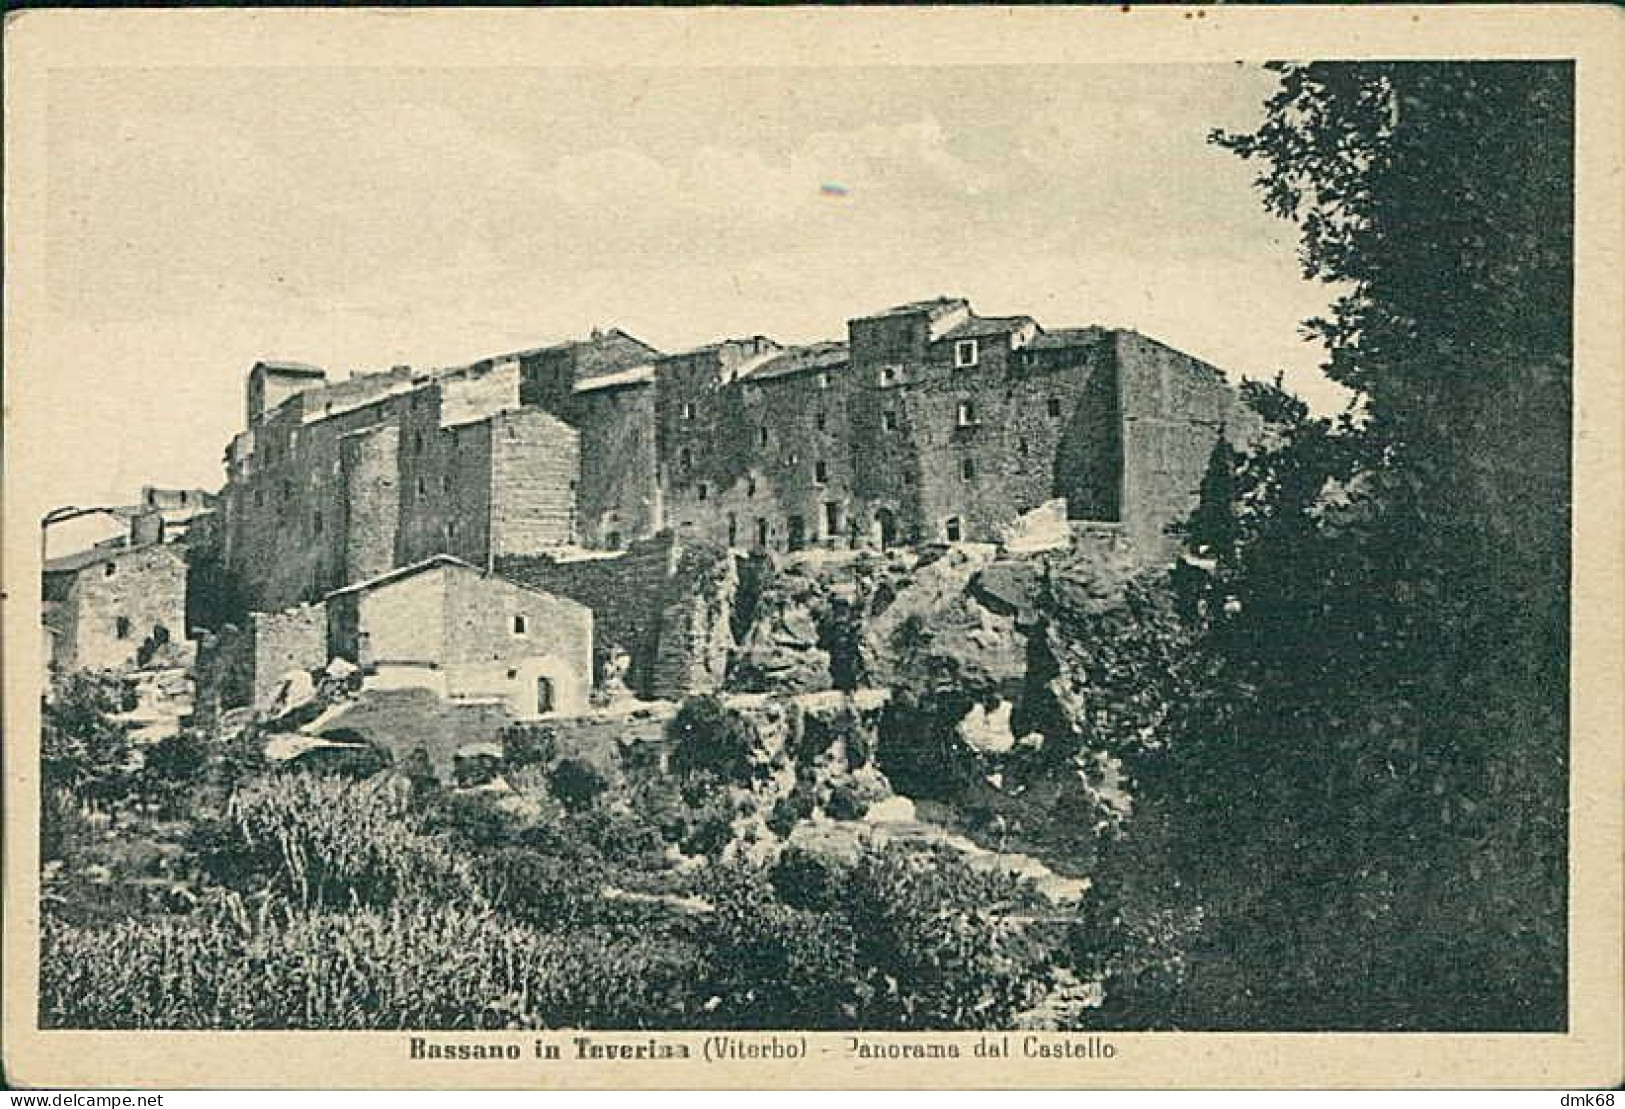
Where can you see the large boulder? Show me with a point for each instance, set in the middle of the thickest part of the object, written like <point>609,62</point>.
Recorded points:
<point>1044,528</point>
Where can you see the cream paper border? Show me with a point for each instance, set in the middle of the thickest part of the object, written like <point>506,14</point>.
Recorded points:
<point>1588,1055</point>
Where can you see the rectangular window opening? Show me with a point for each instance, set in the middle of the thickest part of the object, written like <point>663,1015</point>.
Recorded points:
<point>966,353</point>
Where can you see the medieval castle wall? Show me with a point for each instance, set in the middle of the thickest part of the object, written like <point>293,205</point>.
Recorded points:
<point>927,424</point>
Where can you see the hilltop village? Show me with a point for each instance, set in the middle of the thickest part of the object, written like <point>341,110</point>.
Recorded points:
<point>537,533</point>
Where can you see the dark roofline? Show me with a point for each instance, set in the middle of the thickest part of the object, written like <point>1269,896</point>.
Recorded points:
<point>571,344</point>
<point>290,369</point>
<point>439,561</point>
<point>917,307</point>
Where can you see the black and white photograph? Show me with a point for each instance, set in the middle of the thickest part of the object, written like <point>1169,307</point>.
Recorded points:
<point>550,557</point>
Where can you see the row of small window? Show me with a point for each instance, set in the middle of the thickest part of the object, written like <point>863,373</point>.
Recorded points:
<point>965,416</point>
<point>835,527</point>
<point>967,472</point>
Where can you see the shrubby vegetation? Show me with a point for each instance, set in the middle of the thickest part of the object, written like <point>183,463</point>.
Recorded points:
<point>326,898</point>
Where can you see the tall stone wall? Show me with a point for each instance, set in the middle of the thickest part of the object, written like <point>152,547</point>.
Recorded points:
<point>626,593</point>
<point>242,665</point>
<point>294,639</point>
<point>1173,408</point>
<point>112,606</point>
<point>370,509</point>
<point>535,461</point>
<point>618,499</point>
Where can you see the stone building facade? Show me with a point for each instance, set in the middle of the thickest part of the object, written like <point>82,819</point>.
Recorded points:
<point>104,604</point>
<point>445,626</point>
<point>926,423</point>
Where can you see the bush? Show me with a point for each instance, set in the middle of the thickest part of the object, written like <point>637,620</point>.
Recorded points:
<point>539,888</point>
<point>775,966</point>
<point>577,784</point>
<point>708,737</point>
<point>935,942</point>
<point>327,841</point>
<point>176,761</point>
<point>81,747</point>
<point>529,744</point>
<point>471,820</point>
<point>413,964</point>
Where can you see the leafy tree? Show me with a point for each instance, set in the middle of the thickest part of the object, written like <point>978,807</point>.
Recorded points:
<point>1368,809</point>
<point>709,738</point>
<point>82,748</point>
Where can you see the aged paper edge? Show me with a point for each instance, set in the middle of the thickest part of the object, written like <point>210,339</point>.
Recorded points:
<point>1588,1054</point>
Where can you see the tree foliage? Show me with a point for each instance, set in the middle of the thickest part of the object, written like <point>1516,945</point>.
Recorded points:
<point>1369,816</point>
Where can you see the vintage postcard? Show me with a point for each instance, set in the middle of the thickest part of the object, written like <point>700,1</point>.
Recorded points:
<point>813,548</point>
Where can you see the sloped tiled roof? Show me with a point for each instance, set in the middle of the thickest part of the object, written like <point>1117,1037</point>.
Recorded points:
<point>977,327</point>
<point>815,356</point>
<point>935,306</point>
<point>634,375</point>
<point>433,562</point>
<point>402,572</point>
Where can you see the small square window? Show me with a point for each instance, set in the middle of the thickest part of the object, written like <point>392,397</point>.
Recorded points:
<point>521,624</point>
<point>823,421</point>
<point>761,436</point>
<point>705,491</point>
<point>888,421</point>
<point>109,570</point>
<point>820,472</point>
<point>966,353</point>
<point>823,379</point>
<point>423,487</point>
<point>1054,407</point>
<point>121,627</point>
<point>688,410</point>
<point>967,469</point>
<point>888,375</point>
<point>685,459</point>
<point>967,414</point>
<point>951,529</point>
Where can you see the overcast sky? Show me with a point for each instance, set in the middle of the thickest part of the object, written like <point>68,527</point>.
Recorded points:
<point>200,219</point>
